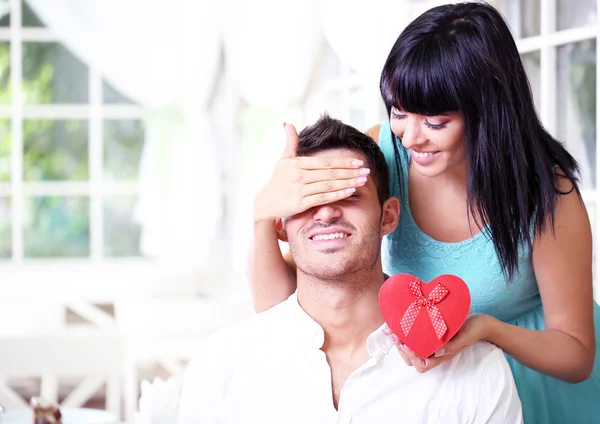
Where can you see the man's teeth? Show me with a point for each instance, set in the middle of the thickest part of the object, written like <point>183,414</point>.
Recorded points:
<point>329,236</point>
<point>422,154</point>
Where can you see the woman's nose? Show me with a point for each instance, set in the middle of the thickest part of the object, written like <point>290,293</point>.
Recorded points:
<point>412,134</point>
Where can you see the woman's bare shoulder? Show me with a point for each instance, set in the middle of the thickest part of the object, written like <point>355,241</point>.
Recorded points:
<point>373,132</point>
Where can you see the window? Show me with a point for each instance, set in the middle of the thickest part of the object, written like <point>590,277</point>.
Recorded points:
<point>70,148</point>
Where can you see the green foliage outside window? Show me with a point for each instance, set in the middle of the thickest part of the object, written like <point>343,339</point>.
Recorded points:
<point>58,150</point>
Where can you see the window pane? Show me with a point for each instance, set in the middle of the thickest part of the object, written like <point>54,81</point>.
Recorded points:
<point>573,14</point>
<point>121,232</point>
<point>29,18</point>
<point>5,230</point>
<point>51,74</point>
<point>5,149</point>
<point>530,17</point>
<point>56,227</point>
<point>5,17</point>
<point>123,142</point>
<point>5,96</point>
<point>576,103</point>
<point>55,150</point>
<point>112,96</point>
<point>531,63</point>
<point>523,16</point>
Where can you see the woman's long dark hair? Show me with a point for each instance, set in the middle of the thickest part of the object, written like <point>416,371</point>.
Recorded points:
<point>462,57</point>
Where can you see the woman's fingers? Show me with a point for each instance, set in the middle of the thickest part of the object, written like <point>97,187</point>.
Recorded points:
<point>291,146</point>
<point>317,175</point>
<point>324,198</point>
<point>416,361</point>
<point>404,356</point>
<point>299,183</point>
<point>333,185</point>
<point>387,331</point>
<point>412,360</point>
<point>324,162</point>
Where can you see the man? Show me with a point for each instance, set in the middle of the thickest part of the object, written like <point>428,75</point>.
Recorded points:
<point>323,356</point>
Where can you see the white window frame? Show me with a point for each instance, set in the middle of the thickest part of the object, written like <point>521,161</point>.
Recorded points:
<point>95,278</point>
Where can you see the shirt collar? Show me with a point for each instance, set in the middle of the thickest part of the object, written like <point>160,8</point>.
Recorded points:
<point>303,328</point>
<point>310,334</point>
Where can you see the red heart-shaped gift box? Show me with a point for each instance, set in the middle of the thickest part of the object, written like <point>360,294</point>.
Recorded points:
<point>424,316</point>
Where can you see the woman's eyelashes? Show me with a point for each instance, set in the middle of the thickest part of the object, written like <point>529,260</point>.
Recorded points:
<point>434,126</point>
<point>396,114</point>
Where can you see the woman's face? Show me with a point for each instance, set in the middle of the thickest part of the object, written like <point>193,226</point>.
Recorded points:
<point>436,143</point>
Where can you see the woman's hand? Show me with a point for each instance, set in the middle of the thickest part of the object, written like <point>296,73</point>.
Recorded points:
<point>475,328</point>
<point>300,183</point>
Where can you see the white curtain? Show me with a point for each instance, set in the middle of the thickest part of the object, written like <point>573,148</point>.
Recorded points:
<point>362,33</point>
<point>165,56</point>
<point>271,49</point>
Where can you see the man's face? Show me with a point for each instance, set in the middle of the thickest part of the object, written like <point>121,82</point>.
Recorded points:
<point>340,238</point>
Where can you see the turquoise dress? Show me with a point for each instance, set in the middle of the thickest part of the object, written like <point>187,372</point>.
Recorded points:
<point>409,250</point>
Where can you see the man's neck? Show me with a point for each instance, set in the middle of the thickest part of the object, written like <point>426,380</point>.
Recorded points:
<point>347,309</point>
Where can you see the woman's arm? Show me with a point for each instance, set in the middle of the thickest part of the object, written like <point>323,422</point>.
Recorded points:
<point>563,267</point>
<point>297,184</point>
<point>272,279</point>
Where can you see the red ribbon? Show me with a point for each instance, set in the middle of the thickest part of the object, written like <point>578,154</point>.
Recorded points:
<point>435,316</point>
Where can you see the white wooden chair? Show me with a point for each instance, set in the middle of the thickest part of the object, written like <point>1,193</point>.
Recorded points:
<point>97,358</point>
<point>168,331</point>
<point>26,316</point>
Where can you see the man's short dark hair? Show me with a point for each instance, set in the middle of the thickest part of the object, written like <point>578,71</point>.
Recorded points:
<point>328,133</point>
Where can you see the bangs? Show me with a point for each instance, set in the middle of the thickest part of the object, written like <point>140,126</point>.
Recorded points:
<point>420,80</point>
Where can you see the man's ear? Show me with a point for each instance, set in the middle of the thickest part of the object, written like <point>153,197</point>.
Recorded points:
<point>390,215</point>
<point>281,233</point>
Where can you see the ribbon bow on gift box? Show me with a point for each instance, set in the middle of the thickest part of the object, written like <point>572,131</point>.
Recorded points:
<point>436,296</point>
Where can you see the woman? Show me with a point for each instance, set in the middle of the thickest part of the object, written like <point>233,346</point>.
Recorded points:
<point>487,194</point>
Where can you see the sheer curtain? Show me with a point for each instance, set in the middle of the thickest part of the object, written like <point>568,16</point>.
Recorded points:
<point>271,47</point>
<point>362,33</point>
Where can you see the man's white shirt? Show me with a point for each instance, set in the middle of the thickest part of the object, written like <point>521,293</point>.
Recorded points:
<point>271,369</point>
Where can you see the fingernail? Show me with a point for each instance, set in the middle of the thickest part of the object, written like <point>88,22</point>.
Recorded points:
<point>350,190</point>
<point>357,163</point>
<point>394,338</point>
<point>364,171</point>
<point>440,352</point>
<point>361,180</point>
